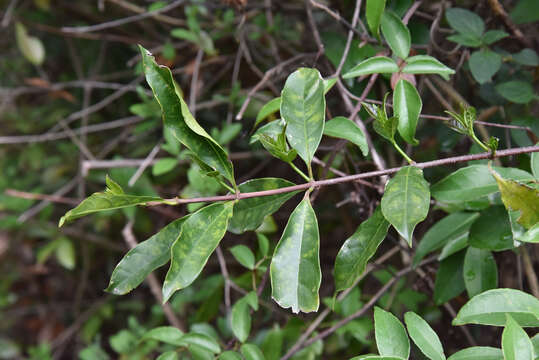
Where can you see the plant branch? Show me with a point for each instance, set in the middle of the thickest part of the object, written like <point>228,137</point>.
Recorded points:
<point>349,178</point>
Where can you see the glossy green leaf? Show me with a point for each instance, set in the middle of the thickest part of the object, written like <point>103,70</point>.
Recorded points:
<point>144,258</point>
<point>303,107</point>
<point>230,355</point>
<point>31,47</point>
<point>328,84</point>
<point>465,22</point>
<point>484,64</point>
<point>491,306</point>
<point>396,34</point>
<point>167,334</point>
<point>516,196</point>
<point>112,198</point>
<point>453,246</point>
<point>202,340</point>
<point>535,343</point>
<point>164,165</point>
<point>424,64</point>
<point>397,344</point>
<point>263,243</point>
<point>423,336</point>
<point>473,182</point>
<point>358,249</point>
<point>532,235</point>
<point>373,65</point>
<point>200,353</point>
<point>492,230</point>
<point>244,256</point>
<point>251,352</point>
<point>273,343</point>
<point>271,107</point>
<point>491,36</point>
<point>250,213</point>
<point>406,201</point>
<point>200,235</point>
<point>520,92</point>
<point>375,357</point>
<point>180,121</point>
<point>407,106</point>
<point>449,282</point>
<point>169,355</point>
<point>295,266</point>
<point>478,353</point>
<point>480,271</point>
<point>374,11</point>
<point>240,318</point>
<point>343,128</point>
<point>516,345</point>
<point>451,227</point>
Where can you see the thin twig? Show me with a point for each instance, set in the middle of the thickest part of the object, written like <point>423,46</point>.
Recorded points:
<point>119,22</point>
<point>144,164</point>
<point>224,272</point>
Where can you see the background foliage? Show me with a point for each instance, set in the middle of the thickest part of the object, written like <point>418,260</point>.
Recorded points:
<point>261,96</point>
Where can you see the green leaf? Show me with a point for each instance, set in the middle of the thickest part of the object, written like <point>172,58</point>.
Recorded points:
<point>491,306</point>
<point>295,266</point>
<point>343,128</point>
<point>167,334</point>
<point>423,336</point>
<point>65,253</point>
<point>271,107</point>
<point>328,84</point>
<point>535,343</point>
<point>375,357</point>
<point>180,121</point>
<point>374,12</point>
<point>263,243</point>
<point>244,256</point>
<point>527,57</point>
<point>396,34</point>
<point>535,164</point>
<point>406,201</point>
<point>492,230</point>
<point>358,249</point>
<point>465,22</point>
<point>453,226</point>
<point>480,271</point>
<point>424,64</point>
<point>484,64</point>
<point>407,105</point>
<point>478,353</point>
<point>31,47</point>
<point>492,36</point>
<point>372,65</point>
<point>112,198</point>
<point>200,235</point>
<point>230,355</point>
<point>532,235</point>
<point>273,343</point>
<point>251,352</point>
<point>520,92</point>
<point>203,341</point>
<point>250,213</point>
<point>465,40</point>
<point>473,182</point>
<point>453,247</point>
<point>185,34</point>
<point>516,345</point>
<point>303,107</point>
<point>144,258</point>
<point>168,355</point>
<point>163,166</point>
<point>516,196</point>
<point>240,318</point>
<point>397,343</point>
<point>449,282</point>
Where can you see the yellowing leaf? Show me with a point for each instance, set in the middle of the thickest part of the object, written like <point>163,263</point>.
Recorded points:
<point>31,47</point>
<point>517,196</point>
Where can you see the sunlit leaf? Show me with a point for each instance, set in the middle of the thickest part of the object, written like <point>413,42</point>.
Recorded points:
<point>372,65</point>
<point>397,344</point>
<point>244,256</point>
<point>396,34</point>
<point>374,11</point>
<point>295,266</point>
<point>424,64</point>
<point>200,235</point>
<point>31,47</point>
<point>240,318</point>
<point>406,201</point>
<point>423,336</point>
<point>516,345</point>
<point>268,109</point>
<point>491,306</point>
<point>478,353</point>
<point>303,107</point>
